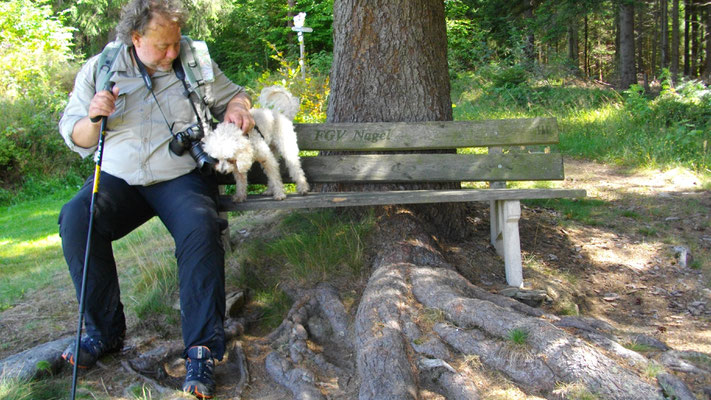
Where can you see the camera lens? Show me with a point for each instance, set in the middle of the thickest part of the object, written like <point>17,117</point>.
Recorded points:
<point>205,163</point>
<point>179,143</point>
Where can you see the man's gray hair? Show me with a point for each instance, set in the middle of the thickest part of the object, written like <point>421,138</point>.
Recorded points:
<point>137,14</point>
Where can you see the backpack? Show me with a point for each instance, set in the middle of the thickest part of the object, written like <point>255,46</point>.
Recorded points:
<point>194,56</point>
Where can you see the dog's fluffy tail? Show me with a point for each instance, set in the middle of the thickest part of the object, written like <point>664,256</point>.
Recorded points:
<point>278,98</point>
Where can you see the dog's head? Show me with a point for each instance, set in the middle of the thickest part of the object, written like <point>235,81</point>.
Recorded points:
<point>230,147</point>
<point>278,98</point>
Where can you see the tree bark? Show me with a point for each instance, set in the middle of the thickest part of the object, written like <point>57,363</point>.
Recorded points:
<point>687,37</point>
<point>628,73</point>
<point>675,41</point>
<point>390,64</point>
<point>586,57</point>
<point>573,49</point>
<point>664,33</point>
<point>707,65</point>
<point>529,47</point>
<point>694,32</point>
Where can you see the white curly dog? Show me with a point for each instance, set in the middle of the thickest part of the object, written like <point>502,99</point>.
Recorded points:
<point>274,133</point>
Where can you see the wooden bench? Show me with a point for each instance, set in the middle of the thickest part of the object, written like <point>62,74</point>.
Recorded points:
<point>500,159</point>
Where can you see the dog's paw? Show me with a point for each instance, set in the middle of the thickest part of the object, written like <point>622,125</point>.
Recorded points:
<point>239,198</point>
<point>279,196</point>
<point>302,187</point>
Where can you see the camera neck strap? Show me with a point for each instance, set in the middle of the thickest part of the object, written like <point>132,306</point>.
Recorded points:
<point>179,73</point>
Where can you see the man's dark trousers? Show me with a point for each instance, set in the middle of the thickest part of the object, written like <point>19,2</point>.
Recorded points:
<point>186,206</point>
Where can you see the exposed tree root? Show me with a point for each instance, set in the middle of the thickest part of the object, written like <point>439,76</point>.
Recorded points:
<point>418,318</point>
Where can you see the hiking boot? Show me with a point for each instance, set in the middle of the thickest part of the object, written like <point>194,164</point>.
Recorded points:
<point>91,349</point>
<point>199,376</point>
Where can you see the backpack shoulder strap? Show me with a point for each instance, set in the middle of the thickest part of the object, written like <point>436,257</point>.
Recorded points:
<point>106,60</point>
<point>197,64</point>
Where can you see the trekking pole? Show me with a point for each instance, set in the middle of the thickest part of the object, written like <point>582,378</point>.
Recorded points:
<point>87,252</point>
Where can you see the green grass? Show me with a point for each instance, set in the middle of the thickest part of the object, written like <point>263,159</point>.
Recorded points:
<point>30,248</point>
<point>601,124</point>
<point>306,248</point>
<point>574,391</point>
<point>314,246</point>
<point>146,256</point>
<point>31,258</point>
<point>653,369</point>
<point>46,389</point>
<point>518,336</point>
<point>639,347</point>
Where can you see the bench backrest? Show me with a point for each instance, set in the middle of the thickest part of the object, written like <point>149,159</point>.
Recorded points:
<point>501,158</point>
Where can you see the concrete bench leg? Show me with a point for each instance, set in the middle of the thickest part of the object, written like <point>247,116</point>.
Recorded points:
<point>504,217</point>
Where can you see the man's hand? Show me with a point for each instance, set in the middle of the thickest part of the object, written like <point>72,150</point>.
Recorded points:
<point>86,131</point>
<point>238,112</point>
<point>103,104</point>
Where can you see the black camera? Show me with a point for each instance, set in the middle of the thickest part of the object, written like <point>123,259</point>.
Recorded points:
<point>189,139</point>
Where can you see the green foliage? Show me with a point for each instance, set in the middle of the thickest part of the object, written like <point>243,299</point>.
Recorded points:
<point>467,42</point>
<point>574,391</point>
<point>28,139</point>
<point>653,369</point>
<point>35,69</point>
<point>245,44</point>
<point>35,47</point>
<point>669,130</point>
<point>638,347</point>
<point>312,91</point>
<point>93,20</point>
<point>674,127</point>
<point>510,77</point>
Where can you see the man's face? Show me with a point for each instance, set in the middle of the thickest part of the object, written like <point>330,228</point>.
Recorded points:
<point>159,46</point>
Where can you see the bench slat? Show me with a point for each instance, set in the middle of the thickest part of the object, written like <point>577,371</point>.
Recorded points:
<point>426,135</point>
<point>423,168</point>
<point>350,199</point>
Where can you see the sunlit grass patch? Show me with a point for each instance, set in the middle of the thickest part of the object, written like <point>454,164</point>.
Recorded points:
<point>146,257</point>
<point>30,248</point>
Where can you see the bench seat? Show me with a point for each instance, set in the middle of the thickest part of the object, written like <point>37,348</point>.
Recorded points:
<point>402,153</point>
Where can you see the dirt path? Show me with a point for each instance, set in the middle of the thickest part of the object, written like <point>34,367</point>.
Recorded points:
<point>611,256</point>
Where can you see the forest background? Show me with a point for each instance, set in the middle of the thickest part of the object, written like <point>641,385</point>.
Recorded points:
<point>627,82</point>
<point>625,78</point>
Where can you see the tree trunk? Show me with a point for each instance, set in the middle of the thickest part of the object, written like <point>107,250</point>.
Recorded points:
<point>573,49</point>
<point>675,42</point>
<point>640,41</point>
<point>529,47</point>
<point>664,33</point>
<point>585,52</point>
<point>390,64</point>
<point>695,28</point>
<point>687,37</point>
<point>707,65</point>
<point>655,43</point>
<point>628,74</point>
